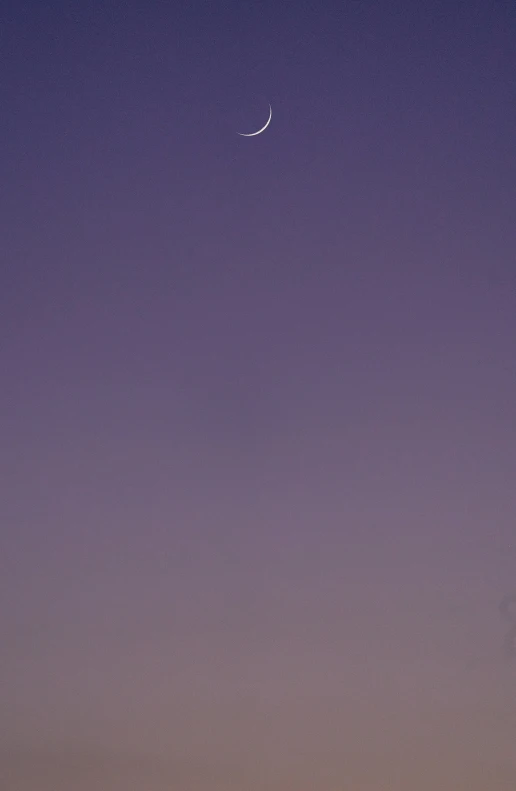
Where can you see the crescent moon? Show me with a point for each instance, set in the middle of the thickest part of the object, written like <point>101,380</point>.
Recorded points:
<point>253,134</point>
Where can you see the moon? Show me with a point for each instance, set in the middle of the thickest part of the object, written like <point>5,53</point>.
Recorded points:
<point>253,134</point>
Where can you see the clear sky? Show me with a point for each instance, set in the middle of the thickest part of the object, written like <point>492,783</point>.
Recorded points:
<point>257,403</point>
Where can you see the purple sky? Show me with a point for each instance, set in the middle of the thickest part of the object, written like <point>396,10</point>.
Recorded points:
<point>258,436</point>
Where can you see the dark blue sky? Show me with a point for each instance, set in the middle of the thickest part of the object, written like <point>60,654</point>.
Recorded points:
<point>258,440</point>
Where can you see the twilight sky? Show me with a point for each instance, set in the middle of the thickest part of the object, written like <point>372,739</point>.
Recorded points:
<point>258,435</point>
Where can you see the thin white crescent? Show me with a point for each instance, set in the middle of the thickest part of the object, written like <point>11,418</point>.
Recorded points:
<point>253,134</point>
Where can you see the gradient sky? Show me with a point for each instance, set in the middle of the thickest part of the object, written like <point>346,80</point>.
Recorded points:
<point>258,436</point>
